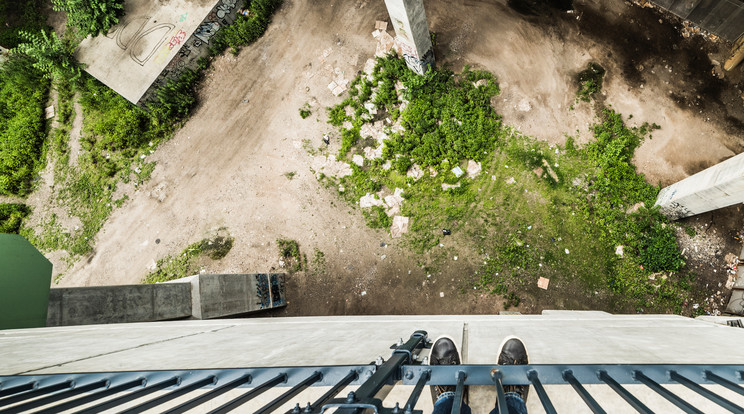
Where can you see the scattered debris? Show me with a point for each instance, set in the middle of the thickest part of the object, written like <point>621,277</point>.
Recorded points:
<point>543,283</point>
<point>458,171</point>
<point>441,294</point>
<point>511,180</point>
<point>369,200</point>
<point>566,250</point>
<point>446,232</point>
<point>372,153</point>
<point>619,250</point>
<point>446,186</point>
<point>49,112</point>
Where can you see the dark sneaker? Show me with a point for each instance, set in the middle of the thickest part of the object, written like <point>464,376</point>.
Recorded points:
<point>513,352</point>
<point>444,352</point>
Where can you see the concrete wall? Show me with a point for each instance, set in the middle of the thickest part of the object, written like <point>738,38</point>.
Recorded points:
<point>719,186</point>
<point>216,296</point>
<point>556,337</point>
<point>412,31</point>
<point>25,276</point>
<point>118,304</point>
<point>154,42</point>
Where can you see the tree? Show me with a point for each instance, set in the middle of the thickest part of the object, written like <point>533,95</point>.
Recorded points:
<point>49,54</point>
<point>91,17</point>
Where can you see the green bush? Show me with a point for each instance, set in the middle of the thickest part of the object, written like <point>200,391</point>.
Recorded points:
<point>17,16</point>
<point>176,98</point>
<point>11,217</point>
<point>91,17</point>
<point>23,91</point>
<point>246,29</point>
<point>590,81</point>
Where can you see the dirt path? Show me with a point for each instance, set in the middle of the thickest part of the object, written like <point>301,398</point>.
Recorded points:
<point>226,167</point>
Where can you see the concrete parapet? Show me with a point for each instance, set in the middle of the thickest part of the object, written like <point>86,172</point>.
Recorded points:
<point>215,296</point>
<point>118,304</point>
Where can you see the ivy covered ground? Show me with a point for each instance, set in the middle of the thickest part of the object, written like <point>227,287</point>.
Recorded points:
<point>577,216</point>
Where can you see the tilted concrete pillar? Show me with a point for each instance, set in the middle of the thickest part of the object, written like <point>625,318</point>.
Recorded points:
<point>412,30</point>
<point>719,186</point>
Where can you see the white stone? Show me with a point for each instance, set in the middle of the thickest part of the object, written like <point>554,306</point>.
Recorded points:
<point>358,160</point>
<point>415,172</point>
<point>474,169</point>
<point>369,200</point>
<point>458,171</point>
<point>400,226</point>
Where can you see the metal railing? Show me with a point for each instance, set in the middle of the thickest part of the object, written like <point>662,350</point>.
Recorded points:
<point>97,392</point>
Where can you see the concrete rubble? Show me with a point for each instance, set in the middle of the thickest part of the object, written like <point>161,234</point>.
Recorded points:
<point>400,226</point>
<point>458,171</point>
<point>394,201</point>
<point>415,172</point>
<point>372,153</point>
<point>330,166</point>
<point>358,160</point>
<point>473,169</point>
<point>369,200</point>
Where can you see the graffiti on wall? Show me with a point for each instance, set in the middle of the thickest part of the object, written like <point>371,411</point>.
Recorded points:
<point>192,48</point>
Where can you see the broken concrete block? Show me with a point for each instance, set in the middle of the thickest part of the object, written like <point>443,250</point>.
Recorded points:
<point>543,283</point>
<point>369,200</point>
<point>400,226</point>
<point>458,171</point>
<point>415,172</point>
<point>358,160</point>
<point>473,169</point>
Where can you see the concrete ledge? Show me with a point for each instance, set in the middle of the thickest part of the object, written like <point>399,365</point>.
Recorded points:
<point>216,296</point>
<point>118,304</point>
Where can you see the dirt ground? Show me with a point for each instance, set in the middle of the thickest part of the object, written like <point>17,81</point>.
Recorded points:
<point>225,168</point>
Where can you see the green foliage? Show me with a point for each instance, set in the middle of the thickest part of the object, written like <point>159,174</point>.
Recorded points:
<point>176,98</point>
<point>590,81</point>
<point>187,262</point>
<point>91,17</point>
<point>11,217</point>
<point>23,91</point>
<point>289,251</point>
<point>305,111</point>
<point>376,218</point>
<point>49,54</point>
<point>246,29</point>
<point>17,16</point>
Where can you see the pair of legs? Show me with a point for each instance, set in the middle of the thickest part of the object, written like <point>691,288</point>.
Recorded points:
<point>512,352</point>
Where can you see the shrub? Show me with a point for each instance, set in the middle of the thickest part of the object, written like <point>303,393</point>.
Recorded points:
<point>376,218</point>
<point>49,54</point>
<point>91,17</point>
<point>246,29</point>
<point>11,217</point>
<point>23,92</point>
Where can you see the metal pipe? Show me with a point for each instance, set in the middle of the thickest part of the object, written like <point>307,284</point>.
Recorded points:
<point>544,399</point>
<point>706,393</point>
<point>670,396</point>
<point>583,393</point>
<point>627,396</point>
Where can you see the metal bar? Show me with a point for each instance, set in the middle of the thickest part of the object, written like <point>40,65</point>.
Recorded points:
<point>78,402</point>
<point>627,396</point>
<point>706,393</point>
<point>724,382</point>
<point>416,393</point>
<point>670,396</point>
<point>20,388</point>
<point>290,393</point>
<point>496,376</point>
<point>544,399</point>
<point>390,368</point>
<point>351,376</point>
<point>194,402</point>
<point>40,402</point>
<point>236,402</point>
<point>583,393</point>
<point>115,402</point>
<point>171,395</point>
<point>459,392</point>
<point>36,392</point>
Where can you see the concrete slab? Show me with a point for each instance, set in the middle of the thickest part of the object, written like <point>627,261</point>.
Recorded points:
<point>736,303</point>
<point>136,51</point>
<point>118,304</point>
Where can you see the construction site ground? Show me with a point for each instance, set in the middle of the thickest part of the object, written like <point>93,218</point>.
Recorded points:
<point>227,167</point>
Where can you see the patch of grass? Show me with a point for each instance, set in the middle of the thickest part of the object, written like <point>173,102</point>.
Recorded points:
<point>590,81</point>
<point>289,251</point>
<point>319,262</point>
<point>690,231</point>
<point>376,218</point>
<point>534,210</point>
<point>305,111</point>
<point>186,263</point>
<point>245,29</point>
<point>11,217</point>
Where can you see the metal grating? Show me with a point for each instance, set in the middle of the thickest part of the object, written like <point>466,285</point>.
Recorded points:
<point>97,392</point>
<point>724,18</point>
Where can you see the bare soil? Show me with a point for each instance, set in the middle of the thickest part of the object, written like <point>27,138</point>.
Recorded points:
<point>226,167</point>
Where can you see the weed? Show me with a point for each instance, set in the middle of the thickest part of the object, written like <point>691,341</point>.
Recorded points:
<point>690,231</point>
<point>11,216</point>
<point>185,263</point>
<point>289,251</point>
<point>290,175</point>
<point>305,111</point>
<point>590,81</point>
